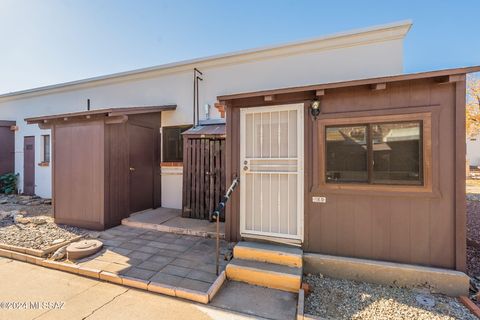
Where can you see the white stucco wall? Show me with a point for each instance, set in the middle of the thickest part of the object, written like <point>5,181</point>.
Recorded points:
<point>323,61</point>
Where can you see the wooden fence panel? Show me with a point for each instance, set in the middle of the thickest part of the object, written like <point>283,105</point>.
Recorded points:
<point>204,176</point>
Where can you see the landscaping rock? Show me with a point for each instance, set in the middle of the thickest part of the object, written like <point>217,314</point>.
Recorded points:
<point>38,221</point>
<point>57,241</point>
<point>60,253</point>
<point>21,219</point>
<point>4,215</point>
<point>425,301</point>
<point>35,236</point>
<point>94,235</point>
<point>345,299</point>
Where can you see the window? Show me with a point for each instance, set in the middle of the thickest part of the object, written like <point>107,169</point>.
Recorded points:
<point>46,148</point>
<point>173,143</point>
<point>375,153</point>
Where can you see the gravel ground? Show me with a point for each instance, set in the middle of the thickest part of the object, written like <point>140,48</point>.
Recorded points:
<point>35,236</point>
<point>29,234</point>
<point>473,235</point>
<point>345,299</point>
<point>32,206</point>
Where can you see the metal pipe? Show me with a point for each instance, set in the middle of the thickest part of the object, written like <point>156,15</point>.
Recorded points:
<point>194,95</point>
<point>196,110</point>
<point>217,265</point>
<point>216,216</point>
<point>88,104</point>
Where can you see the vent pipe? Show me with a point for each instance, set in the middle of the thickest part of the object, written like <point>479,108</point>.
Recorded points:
<point>196,111</point>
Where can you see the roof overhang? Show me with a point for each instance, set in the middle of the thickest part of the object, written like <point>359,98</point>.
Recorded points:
<point>114,114</point>
<point>207,131</point>
<point>379,83</point>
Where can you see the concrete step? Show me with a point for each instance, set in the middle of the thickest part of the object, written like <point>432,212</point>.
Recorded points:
<point>265,274</point>
<point>264,252</point>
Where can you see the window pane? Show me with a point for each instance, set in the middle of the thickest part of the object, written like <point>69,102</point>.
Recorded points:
<point>173,143</point>
<point>346,149</point>
<point>46,148</point>
<point>397,156</point>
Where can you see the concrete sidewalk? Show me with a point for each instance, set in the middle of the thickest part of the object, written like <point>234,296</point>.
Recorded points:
<point>85,298</point>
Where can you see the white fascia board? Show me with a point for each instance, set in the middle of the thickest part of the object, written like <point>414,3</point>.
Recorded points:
<point>392,31</point>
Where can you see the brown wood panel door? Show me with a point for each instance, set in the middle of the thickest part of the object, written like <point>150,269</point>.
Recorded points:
<point>29,165</point>
<point>7,150</point>
<point>141,159</point>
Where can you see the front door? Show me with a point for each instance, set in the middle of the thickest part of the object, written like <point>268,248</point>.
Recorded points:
<point>141,149</point>
<point>29,165</point>
<point>271,159</point>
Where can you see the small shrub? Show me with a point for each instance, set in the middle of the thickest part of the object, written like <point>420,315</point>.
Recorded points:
<point>8,183</point>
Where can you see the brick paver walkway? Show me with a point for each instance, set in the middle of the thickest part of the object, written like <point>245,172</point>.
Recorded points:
<point>177,260</point>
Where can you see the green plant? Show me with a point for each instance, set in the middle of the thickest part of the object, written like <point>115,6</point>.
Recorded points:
<point>8,183</point>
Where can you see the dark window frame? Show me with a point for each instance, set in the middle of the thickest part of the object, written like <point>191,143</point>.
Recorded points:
<point>46,148</point>
<point>370,158</point>
<point>178,157</point>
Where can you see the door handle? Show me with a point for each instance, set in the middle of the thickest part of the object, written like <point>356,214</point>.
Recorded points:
<point>132,169</point>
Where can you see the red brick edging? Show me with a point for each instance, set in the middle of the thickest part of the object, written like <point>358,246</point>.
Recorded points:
<point>470,305</point>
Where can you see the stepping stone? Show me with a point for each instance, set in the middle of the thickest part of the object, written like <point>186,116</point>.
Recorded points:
<point>84,248</point>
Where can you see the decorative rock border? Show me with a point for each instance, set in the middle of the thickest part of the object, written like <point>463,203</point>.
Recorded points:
<point>36,252</point>
<point>301,315</point>
<point>193,295</point>
<point>300,304</point>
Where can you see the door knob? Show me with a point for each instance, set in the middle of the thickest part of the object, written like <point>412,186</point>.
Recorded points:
<point>132,169</point>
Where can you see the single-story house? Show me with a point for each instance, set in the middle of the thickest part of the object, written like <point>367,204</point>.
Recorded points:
<point>337,151</point>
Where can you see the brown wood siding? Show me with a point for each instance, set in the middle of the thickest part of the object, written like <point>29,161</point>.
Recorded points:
<point>385,223</point>
<point>7,147</point>
<point>117,201</point>
<point>79,173</point>
<point>203,177</point>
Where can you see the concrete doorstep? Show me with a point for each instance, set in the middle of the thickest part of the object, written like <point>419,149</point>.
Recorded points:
<point>188,294</point>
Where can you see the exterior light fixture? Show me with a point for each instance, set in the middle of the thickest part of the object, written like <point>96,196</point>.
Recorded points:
<point>315,108</point>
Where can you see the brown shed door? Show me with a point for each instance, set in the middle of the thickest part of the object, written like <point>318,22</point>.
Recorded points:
<point>7,145</point>
<point>29,165</point>
<point>141,142</point>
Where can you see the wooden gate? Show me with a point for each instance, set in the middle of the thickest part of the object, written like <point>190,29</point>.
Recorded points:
<point>203,174</point>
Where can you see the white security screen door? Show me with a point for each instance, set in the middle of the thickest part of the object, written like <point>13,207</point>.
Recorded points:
<point>271,160</point>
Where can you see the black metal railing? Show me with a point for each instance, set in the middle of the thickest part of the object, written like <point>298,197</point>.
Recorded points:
<point>216,216</point>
